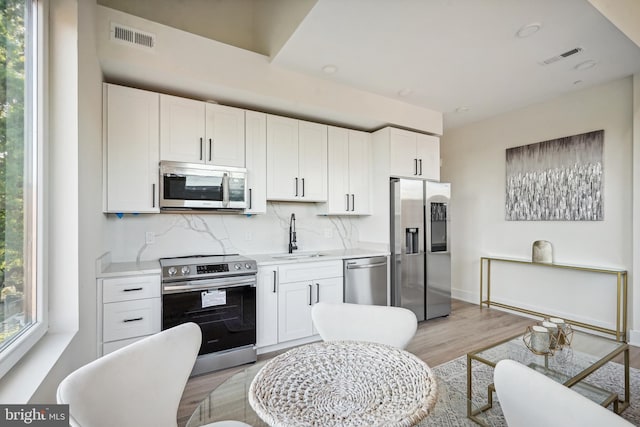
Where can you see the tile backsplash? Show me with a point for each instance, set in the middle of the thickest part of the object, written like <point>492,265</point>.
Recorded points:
<point>215,233</point>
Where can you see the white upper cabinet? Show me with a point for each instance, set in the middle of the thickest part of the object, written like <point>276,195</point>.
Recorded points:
<point>282,158</point>
<point>256,156</point>
<point>296,160</point>
<point>312,161</point>
<point>182,129</point>
<point>349,171</point>
<point>428,152</point>
<point>199,132</point>
<point>414,155</point>
<point>225,135</point>
<point>131,149</point>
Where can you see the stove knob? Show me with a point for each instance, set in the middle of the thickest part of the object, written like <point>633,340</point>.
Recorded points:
<point>185,270</point>
<point>247,266</point>
<point>237,266</point>
<point>172,271</point>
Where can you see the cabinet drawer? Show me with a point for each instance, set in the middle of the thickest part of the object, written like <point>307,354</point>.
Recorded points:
<point>130,288</point>
<point>112,346</point>
<point>130,319</point>
<point>309,271</point>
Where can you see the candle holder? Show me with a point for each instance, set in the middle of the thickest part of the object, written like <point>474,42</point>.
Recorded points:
<point>539,340</point>
<point>565,331</point>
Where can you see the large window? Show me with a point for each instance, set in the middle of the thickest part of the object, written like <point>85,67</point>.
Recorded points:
<point>19,296</point>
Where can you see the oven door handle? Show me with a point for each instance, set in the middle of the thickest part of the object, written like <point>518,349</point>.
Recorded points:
<point>200,285</point>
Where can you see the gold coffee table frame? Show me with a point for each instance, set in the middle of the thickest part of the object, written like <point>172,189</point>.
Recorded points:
<point>621,288</point>
<point>581,339</point>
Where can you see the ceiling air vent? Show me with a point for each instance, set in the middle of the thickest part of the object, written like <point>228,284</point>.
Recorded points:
<point>132,36</point>
<point>562,56</point>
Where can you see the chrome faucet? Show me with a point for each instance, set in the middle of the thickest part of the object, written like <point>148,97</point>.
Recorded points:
<point>292,234</point>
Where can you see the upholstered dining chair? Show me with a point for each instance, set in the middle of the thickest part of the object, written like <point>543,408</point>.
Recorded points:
<point>395,326</point>
<point>138,385</point>
<point>530,399</point>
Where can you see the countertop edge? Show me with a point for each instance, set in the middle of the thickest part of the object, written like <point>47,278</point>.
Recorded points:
<point>331,255</point>
<point>129,269</point>
<point>116,269</point>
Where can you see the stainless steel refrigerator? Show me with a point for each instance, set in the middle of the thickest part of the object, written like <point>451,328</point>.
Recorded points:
<point>420,253</point>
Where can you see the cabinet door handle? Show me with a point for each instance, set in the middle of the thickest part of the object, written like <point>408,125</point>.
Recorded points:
<point>415,166</point>
<point>353,202</point>
<point>153,195</point>
<point>210,148</point>
<point>135,319</point>
<point>317,292</point>
<point>302,187</point>
<point>296,187</point>
<point>310,296</point>
<point>250,199</point>
<point>420,167</point>
<point>200,148</point>
<point>347,202</point>
<point>275,279</point>
<point>132,289</point>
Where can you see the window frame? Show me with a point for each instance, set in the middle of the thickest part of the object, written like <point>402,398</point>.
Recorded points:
<point>34,172</point>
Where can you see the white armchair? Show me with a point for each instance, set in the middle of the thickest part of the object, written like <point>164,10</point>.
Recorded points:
<point>138,385</point>
<point>530,399</point>
<point>395,326</point>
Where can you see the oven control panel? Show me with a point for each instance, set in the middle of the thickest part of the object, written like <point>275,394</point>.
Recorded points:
<point>206,267</point>
<point>212,268</point>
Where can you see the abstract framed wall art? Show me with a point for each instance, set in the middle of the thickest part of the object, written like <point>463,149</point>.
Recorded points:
<point>556,180</point>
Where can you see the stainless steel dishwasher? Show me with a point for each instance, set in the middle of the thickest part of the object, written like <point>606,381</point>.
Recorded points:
<point>365,280</point>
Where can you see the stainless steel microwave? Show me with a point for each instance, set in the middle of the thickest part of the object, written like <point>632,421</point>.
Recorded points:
<point>196,186</point>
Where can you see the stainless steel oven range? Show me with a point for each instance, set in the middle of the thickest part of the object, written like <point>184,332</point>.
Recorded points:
<point>218,292</point>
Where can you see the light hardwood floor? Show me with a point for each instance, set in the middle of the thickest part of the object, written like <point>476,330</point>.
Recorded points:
<point>437,341</point>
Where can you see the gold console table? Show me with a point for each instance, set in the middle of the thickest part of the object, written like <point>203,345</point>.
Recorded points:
<point>621,287</point>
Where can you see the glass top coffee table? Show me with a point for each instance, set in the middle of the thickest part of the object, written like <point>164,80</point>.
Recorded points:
<point>229,401</point>
<point>569,366</point>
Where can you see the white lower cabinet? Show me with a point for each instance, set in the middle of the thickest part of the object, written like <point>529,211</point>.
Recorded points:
<point>294,309</point>
<point>130,308</point>
<point>300,286</point>
<point>267,306</point>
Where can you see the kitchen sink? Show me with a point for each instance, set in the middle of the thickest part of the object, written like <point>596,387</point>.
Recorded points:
<point>301,255</point>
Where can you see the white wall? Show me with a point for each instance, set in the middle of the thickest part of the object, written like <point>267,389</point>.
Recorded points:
<point>474,162</point>
<point>205,69</point>
<point>635,333</point>
<point>84,228</point>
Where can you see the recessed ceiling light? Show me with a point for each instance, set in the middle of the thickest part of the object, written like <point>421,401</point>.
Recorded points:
<point>585,65</point>
<point>462,109</point>
<point>405,92</point>
<point>528,30</point>
<point>329,69</point>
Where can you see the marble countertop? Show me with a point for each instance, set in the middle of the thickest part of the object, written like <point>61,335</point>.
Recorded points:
<point>129,269</point>
<point>315,256</point>
<point>153,267</point>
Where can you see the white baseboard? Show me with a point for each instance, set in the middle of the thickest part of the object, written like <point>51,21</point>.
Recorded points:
<point>467,296</point>
<point>634,337</point>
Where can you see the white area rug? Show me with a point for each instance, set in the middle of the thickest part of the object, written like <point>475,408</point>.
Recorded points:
<point>451,408</point>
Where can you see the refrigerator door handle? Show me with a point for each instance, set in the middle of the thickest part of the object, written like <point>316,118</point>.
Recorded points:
<point>415,166</point>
